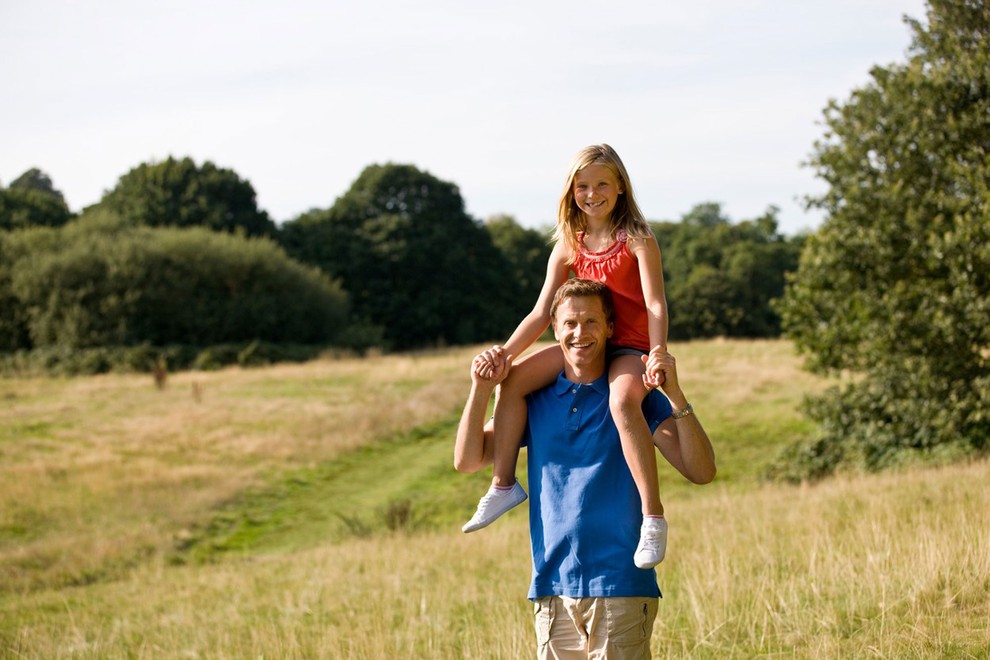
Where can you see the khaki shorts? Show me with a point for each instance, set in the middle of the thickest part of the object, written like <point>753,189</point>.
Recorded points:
<point>613,628</point>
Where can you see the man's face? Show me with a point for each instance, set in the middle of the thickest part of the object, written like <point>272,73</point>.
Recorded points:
<point>581,329</point>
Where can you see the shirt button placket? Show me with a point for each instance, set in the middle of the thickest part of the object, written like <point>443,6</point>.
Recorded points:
<point>574,419</point>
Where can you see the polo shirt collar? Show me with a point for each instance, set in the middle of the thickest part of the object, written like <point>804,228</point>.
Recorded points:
<point>563,385</point>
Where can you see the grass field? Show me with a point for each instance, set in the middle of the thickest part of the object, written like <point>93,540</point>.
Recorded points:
<point>312,511</point>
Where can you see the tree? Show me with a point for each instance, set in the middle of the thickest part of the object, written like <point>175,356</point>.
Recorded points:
<point>895,286</point>
<point>181,194</point>
<point>35,179</point>
<point>721,278</point>
<point>31,200</point>
<point>527,251</point>
<point>411,259</point>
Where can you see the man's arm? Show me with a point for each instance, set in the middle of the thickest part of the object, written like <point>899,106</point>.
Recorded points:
<point>474,443</point>
<point>682,441</point>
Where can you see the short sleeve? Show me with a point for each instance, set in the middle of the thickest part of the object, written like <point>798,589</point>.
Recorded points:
<point>656,408</point>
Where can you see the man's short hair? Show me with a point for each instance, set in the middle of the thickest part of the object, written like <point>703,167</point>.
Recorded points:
<point>580,288</point>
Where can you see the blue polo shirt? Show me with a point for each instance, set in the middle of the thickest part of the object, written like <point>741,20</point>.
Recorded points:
<point>584,509</point>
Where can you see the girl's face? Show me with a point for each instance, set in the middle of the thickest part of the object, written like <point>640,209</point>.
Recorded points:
<point>596,191</point>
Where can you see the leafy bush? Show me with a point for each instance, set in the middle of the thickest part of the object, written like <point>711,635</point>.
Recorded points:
<point>32,201</point>
<point>30,208</point>
<point>94,284</point>
<point>895,286</point>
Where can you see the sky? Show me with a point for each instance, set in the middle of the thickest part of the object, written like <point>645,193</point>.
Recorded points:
<point>711,101</point>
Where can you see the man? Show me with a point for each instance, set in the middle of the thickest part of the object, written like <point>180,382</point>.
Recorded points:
<point>590,599</point>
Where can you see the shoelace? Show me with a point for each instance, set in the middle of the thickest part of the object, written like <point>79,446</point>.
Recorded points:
<point>651,534</point>
<point>487,499</point>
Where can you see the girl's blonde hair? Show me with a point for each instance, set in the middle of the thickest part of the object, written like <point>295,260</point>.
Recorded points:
<point>626,215</point>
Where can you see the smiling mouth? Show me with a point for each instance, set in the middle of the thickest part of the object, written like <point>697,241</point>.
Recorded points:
<point>595,205</point>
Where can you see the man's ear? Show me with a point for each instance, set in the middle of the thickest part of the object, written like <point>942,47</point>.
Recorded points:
<point>610,329</point>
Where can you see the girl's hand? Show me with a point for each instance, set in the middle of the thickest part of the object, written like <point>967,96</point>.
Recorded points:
<point>663,364</point>
<point>655,362</point>
<point>484,363</point>
<point>491,365</point>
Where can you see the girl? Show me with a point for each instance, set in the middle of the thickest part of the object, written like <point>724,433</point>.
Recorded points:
<point>601,235</point>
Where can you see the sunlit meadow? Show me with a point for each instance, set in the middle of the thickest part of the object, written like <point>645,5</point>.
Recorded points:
<point>311,511</point>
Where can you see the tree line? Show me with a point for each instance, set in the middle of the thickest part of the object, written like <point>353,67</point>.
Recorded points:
<point>179,254</point>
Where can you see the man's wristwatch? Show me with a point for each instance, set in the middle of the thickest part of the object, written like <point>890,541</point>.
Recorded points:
<point>684,412</point>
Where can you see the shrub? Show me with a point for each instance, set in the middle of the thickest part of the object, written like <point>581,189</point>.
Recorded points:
<point>95,284</point>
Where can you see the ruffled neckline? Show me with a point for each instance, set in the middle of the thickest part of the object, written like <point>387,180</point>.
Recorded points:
<point>621,237</point>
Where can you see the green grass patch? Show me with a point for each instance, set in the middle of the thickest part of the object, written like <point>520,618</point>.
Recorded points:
<point>404,483</point>
<point>28,430</point>
<point>407,483</point>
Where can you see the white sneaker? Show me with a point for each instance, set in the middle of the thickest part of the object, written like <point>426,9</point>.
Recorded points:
<point>495,502</point>
<point>652,543</point>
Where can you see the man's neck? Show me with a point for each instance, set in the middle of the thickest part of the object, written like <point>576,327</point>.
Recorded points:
<point>584,374</point>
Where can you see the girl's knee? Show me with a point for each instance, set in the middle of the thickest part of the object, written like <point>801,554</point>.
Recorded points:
<point>529,376</point>
<point>624,399</point>
<point>521,382</point>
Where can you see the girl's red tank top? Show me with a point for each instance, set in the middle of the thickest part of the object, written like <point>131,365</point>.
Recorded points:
<point>618,269</point>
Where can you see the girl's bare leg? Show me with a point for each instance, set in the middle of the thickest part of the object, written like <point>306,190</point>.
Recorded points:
<point>530,374</point>
<point>537,370</point>
<point>626,394</point>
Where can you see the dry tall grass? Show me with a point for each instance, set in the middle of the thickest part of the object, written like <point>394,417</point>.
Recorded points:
<point>103,471</point>
<point>97,474</point>
<point>893,566</point>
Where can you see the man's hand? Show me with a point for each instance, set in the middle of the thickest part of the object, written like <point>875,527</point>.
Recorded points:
<point>474,445</point>
<point>664,364</point>
<point>682,441</point>
<point>656,362</point>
